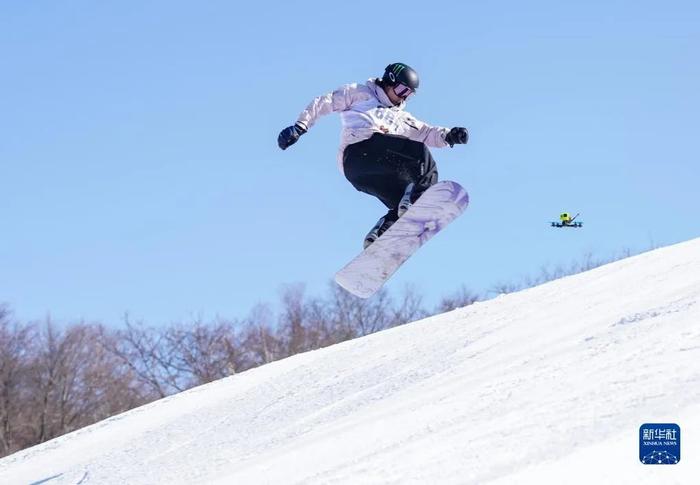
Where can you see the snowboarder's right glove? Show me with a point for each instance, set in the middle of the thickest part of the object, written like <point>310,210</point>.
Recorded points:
<point>290,135</point>
<point>457,135</point>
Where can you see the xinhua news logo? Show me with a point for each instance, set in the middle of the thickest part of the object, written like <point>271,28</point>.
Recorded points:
<point>659,444</point>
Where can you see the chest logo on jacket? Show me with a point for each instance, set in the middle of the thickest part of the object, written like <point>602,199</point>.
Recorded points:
<point>388,117</point>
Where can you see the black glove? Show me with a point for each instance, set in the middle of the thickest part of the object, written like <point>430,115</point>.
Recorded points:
<point>289,136</point>
<point>457,135</point>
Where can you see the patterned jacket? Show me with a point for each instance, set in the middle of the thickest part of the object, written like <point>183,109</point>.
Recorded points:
<point>365,109</point>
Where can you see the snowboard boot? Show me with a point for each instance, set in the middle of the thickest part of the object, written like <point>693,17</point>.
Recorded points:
<point>407,200</point>
<point>384,223</point>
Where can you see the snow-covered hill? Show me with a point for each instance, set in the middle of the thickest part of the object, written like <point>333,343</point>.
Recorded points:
<point>548,385</point>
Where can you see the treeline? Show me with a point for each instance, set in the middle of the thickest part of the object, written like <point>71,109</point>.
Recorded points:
<point>58,378</point>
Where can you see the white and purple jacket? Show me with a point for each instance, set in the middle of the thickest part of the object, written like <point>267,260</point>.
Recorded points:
<point>365,109</point>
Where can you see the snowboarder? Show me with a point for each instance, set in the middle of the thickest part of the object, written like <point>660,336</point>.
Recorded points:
<point>384,149</point>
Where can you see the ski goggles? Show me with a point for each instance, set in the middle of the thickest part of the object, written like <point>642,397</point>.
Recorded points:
<point>403,91</point>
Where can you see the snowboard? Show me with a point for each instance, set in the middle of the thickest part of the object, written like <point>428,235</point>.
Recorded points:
<point>432,212</point>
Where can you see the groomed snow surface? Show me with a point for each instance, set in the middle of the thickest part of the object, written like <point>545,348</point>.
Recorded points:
<point>547,385</point>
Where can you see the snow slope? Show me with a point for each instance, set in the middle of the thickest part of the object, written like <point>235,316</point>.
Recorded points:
<point>548,385</point>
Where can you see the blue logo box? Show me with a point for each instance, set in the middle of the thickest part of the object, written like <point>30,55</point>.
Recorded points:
<point>659,443</point>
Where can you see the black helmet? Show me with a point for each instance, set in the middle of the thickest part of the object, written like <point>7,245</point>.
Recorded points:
<point>397,74</point>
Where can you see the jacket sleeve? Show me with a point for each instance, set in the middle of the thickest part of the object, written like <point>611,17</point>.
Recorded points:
<point>433,136</point>
<point>339,100</point>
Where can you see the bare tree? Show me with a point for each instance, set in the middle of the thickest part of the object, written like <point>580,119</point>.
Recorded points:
<point>461,298</point>
<point>504,288</point>
<point>319,325</point>
<point>292,320</point>
<point>409,308</point>
<point>355,317</point>
<point>205,352</point>
<point>261,344</point>
<point>144,352</point>
<point>57,379</point>
<point>76,381</point>
<point>15,354</point>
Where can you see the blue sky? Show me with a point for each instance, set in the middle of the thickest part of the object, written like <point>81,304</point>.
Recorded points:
<point>139,169</point>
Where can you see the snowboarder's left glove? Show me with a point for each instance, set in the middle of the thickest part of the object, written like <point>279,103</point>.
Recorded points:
<point>457,135</point>
<point>290,135</point>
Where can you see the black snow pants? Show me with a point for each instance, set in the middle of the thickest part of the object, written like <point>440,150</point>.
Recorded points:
<point>384,165</point>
